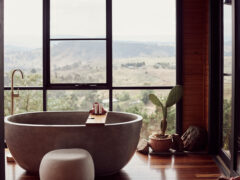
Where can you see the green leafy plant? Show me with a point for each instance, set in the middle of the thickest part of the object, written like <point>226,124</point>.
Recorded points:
<point>173,97</point>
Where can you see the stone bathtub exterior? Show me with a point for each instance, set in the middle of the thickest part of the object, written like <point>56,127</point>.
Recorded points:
<point>30,136</point>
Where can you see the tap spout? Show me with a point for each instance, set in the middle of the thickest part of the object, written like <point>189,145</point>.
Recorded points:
<point>13,95</point>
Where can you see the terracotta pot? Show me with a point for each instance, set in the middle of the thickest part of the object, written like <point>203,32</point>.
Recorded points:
<point>160,144</point>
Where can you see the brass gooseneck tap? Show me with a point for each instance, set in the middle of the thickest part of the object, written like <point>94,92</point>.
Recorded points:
<point>13,95</point>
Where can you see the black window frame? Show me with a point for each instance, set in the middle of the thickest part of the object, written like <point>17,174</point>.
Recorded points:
<point>229,165</point>
<point>222,153</point>
<point>47,85</point>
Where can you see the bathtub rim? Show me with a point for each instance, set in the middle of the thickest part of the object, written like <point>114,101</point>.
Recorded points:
<point>7,121</point>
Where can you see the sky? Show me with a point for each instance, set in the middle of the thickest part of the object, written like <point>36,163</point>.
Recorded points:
<point>133,20</point>
<point>227,22</point>
<point>138,20</point>
<point>23,23</point>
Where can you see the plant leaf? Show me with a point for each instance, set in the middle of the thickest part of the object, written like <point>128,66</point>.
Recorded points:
<point>155,100</point>
<point>174,95</point>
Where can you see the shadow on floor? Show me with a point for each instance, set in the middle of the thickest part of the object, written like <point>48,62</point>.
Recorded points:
<point>121,175</point>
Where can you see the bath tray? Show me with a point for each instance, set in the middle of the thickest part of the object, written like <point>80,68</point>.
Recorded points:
<point>96,119</point>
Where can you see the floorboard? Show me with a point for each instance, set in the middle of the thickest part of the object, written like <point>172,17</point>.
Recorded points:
<point>143,167</point>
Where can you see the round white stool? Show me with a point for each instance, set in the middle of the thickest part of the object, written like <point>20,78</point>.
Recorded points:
<point>66,164</point>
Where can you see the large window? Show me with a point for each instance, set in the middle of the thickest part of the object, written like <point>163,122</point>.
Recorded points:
<point>23,41</point>
<point>78,61</point>
<point>144,43</point>
<point>23,50</point>
<point>227,78</point>
<point>76,52</point>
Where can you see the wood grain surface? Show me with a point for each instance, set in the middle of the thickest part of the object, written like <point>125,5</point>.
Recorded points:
<point>146,167</point>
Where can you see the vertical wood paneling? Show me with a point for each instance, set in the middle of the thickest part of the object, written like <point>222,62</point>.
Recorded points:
<point>195,63</point>
<point>2,169</point>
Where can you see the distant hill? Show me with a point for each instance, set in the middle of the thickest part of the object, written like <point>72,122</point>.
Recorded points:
<point>135,49</point>
<point>120,49</point>
<point>228,48</point>
<point>74,51</point>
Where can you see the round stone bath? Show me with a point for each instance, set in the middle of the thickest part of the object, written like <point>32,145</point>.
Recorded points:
<point>30,136</point>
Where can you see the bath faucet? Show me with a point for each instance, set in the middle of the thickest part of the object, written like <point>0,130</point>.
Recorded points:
<point>13,95</point>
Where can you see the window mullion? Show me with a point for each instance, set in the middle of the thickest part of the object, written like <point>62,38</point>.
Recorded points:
<point>46,50</point>
<point>109,49</point>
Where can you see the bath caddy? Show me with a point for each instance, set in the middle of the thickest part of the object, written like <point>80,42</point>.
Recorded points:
<point>96,119</point>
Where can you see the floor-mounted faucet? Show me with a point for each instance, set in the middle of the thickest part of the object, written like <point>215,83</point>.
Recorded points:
<point>13,95</point>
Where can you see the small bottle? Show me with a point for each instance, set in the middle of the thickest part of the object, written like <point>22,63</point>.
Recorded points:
<point>100,109</point>
<point>95,108</point>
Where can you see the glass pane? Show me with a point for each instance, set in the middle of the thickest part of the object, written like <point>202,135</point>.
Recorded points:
<point>76,100</point>
<point>28,101</point>
<point>78,62</point>
<point>144,42</point>
<point>23,41</point>
<point>227,84</point>
<point>136,101</point>
<point>78,18</point>
<point>227,39</point>
<point>227,61</point>
<point>227,115</point>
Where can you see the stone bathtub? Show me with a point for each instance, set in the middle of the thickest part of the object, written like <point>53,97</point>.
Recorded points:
<point>30,136</point>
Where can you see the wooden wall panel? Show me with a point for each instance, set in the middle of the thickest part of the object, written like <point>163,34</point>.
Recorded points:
<point>195,63</point>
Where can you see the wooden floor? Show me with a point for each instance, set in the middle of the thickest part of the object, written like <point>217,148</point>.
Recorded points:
<point>143,167</point>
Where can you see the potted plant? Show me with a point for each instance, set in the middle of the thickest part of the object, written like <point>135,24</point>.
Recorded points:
<point>161,142</point>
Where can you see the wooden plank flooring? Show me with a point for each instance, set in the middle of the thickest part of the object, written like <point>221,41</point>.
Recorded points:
<point>143,167</point>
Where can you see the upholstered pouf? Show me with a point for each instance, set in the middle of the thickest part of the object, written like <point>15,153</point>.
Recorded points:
<point>67,164</point>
